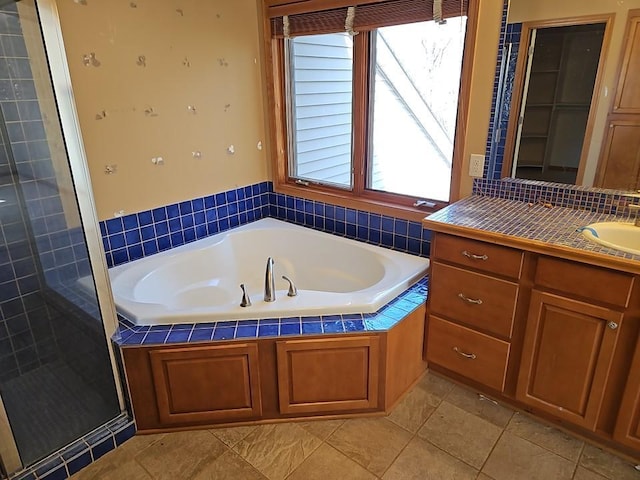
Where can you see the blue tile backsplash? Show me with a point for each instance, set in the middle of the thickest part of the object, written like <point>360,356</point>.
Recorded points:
<point>600,200</point>
<point>144,233</point>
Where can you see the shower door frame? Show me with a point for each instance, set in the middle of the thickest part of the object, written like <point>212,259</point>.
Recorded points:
<point>49,22</point>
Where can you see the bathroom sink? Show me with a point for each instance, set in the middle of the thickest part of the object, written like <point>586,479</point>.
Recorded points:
<point>621,236</point>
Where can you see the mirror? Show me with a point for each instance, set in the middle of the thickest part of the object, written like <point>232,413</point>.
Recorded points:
<point>578,160</point>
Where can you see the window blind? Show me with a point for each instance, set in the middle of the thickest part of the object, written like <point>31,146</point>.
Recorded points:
<point>368,15</point>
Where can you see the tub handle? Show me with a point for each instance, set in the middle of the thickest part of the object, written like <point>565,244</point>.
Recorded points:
<point>246,301</point>
<point>293,291</point>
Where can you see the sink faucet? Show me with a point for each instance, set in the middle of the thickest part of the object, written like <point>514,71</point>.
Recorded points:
<point>635,208</point>
<point>269,282</point>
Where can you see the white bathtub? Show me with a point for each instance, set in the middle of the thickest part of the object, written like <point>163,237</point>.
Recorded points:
<point>200,281</point>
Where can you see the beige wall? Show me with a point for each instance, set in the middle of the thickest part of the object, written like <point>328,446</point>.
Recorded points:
<point>221,42</point>
<point>528,10</point>
<point>484,71</point>
<point>219,39</point>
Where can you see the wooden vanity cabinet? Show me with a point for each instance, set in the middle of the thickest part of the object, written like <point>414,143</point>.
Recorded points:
<point>550,335</point>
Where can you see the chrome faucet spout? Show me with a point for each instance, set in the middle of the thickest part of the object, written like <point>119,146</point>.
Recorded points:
<point>269,282</point>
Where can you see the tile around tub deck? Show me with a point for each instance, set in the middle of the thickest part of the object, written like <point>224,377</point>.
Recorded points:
<point>384,319</point>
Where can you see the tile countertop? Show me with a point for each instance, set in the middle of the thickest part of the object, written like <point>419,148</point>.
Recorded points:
<point>532,227</point>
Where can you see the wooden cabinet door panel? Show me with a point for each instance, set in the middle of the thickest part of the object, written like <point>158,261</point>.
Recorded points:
<point>620,162</point>
<point>200,384</point>
<point>628,91</point>
<point>321,375</point>
<point>627,430</point>
<point>566,358</point>
<point>472,298</point>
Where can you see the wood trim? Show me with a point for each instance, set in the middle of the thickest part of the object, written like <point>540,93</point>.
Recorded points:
<point>361,73</point>
<point>466,78</point>
<point>521,66</point>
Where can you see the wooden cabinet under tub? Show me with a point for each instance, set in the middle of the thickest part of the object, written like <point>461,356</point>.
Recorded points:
<point>206,383</point>
<point>321,374</point>
<point>174,387</point>
<point>552,336</point>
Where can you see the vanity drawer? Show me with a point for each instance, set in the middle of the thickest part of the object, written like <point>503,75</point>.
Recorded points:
<point>472,354</point>
<point>473,298</point>
<point>478,255</point>
<point>594,283</point>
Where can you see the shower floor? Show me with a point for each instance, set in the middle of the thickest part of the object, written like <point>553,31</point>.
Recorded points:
<point>50,407</point>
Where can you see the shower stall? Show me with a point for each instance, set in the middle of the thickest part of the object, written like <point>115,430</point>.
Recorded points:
<point>58,379</point>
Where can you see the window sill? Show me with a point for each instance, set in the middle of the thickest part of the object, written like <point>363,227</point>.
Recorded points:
<point>364,203</point>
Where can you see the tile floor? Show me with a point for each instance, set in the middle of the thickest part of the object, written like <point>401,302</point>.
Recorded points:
<point>439,431</point>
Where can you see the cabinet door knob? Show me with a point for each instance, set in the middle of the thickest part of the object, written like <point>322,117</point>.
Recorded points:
<point>612,325</point>
<point>470,300</point>
<point>470,356</point>
<point>474,257</point>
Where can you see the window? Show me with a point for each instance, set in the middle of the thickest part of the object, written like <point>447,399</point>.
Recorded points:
<point>369,117</point>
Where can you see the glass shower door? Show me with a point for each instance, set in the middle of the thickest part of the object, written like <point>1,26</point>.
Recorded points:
<point>56,375</point>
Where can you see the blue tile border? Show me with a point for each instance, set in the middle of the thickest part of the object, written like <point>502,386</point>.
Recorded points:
<point>148,232</point>
<point>598,200</point>
<point>385,318</point>
<point>81,452</point>
<point>144,233</point>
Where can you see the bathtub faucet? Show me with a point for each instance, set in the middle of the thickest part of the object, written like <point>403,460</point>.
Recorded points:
<point>269,282</point>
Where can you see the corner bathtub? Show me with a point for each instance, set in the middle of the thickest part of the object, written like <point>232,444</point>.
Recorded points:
<point>200,281</point>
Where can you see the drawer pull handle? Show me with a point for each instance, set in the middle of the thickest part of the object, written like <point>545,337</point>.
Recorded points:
<point>475,257</point>
<point>612,325</point>
<point>469,300</point>
<point>470,356</point>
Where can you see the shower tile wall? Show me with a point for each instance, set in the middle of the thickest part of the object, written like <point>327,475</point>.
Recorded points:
<point>26,336</point>
<point>27,339</point>
<point>61,250</point>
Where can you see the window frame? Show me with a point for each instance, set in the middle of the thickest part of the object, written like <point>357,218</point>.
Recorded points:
<point>359,197</point>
